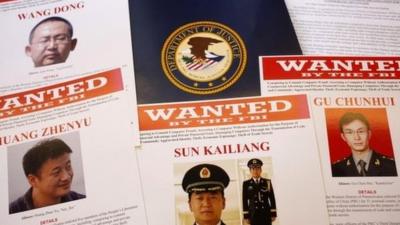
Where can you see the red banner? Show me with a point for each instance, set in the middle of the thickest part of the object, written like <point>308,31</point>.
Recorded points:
<point>61,94</point>
<point>227,112</point>
<point>329,67</point>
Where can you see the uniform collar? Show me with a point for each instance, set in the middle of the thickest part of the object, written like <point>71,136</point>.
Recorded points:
<point>365,157</point>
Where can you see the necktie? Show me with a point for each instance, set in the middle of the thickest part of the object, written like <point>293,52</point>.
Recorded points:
<point>363,171</point>
<point>258,188</point>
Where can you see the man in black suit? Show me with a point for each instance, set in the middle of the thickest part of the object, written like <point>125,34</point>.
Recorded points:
<point>258,197</point>
<point>205,184</point>
<point>363,161</point>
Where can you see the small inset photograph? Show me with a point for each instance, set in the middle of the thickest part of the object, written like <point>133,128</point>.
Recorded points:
<point>359,142</point>
<point>234,192</point>
<point>45,172</point>
<point>50,41</point>
<point>258,198</point>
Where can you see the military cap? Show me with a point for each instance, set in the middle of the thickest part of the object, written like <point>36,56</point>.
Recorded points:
<point>252,163</point>
<point>205,177</point>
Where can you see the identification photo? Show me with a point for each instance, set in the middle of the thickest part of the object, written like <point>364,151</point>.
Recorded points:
<point>360,143</point>
<point>44,173</point>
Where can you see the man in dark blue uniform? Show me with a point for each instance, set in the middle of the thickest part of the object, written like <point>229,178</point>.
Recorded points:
<point>205,184</point>
<point>363,161</point>
<point>258,197</point>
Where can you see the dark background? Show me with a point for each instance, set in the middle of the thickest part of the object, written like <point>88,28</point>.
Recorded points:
<point>264,26</point>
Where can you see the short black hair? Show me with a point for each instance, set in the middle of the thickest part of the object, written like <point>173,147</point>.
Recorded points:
<point>50,19</point>
<point>349,117</point>
<point>35,157</point>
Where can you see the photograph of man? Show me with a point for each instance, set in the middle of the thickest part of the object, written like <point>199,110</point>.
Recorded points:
<point>363,161</point>
<point>205,184</point>
<point>47,167</point>
<point>258,197</point>
<point>50,41</point>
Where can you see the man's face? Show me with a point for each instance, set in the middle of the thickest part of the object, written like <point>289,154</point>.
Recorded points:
<point>50,44</point>
<point>255,172</point>
<point>207,207</point>
<point>54,177</point>
<point>356,135</point>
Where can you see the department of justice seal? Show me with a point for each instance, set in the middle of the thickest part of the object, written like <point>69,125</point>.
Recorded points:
<point>203,57</point>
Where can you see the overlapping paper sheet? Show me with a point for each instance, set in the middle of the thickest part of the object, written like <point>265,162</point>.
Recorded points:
<point>228,133</point>
<point>82,92</point>
<point>355,107</point>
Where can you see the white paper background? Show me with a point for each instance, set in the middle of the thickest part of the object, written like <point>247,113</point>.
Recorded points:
<point>109,168</point>
<point>296,176</point>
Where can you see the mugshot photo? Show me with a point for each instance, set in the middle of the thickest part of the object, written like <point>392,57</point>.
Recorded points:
<point>45,172</point>
<point>51,41</point>
<point>234,192</point>
<point>360,143</point>
<point>40,46</point>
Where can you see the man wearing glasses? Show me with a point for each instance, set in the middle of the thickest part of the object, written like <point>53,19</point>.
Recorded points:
<point>363,161</point>
<point>50,42</point>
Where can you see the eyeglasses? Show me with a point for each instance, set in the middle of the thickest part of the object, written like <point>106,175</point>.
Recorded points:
<point>61,39</point>
<point>358,132</point>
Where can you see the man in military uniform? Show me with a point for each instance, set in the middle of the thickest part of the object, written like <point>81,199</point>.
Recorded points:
<point>363,161</point>
<point>205,184</point>
<point>258,197</point>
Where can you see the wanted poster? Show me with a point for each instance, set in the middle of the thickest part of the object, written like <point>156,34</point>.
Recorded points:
<point>66,153</point>
<point>236,161</point>
<point>48,42</point>
<point>355,105</point>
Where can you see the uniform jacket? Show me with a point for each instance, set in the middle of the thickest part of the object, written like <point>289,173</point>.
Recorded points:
<point>379,165</point>
<point>258,197</point>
